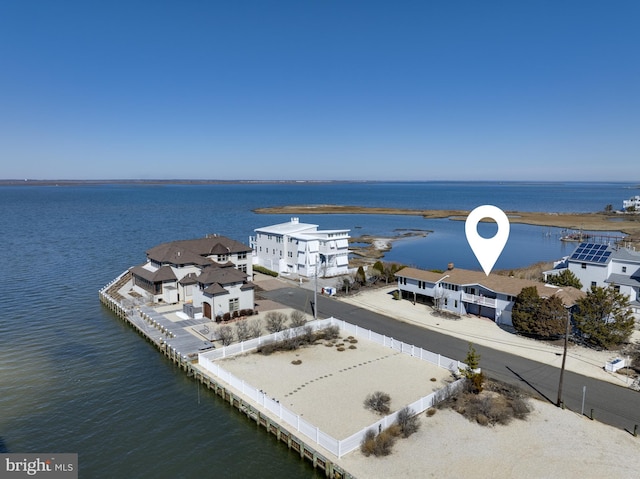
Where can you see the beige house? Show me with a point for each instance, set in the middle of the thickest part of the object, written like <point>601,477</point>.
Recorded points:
<point>463,291</point>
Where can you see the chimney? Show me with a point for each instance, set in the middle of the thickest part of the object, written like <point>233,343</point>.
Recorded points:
<point>450,266</point>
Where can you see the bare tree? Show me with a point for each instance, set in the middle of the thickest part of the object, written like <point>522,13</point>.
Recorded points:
<point>438,300</point>
<point>297,318</point>
<point>408,421</point>
<point>255,328</point>
<point>275,321</point>
<point>225,333</point>
<point>242,330</point>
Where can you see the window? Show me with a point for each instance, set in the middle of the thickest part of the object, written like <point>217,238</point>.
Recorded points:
<point>242,267</point>
<point>242,255</point>
<point>234,304</point>
<point>583,265</point>
<point>446,300</point>
<point>455,303</point>
<point>593,284</point>
<point>624,269</point>
<point>616,288</point>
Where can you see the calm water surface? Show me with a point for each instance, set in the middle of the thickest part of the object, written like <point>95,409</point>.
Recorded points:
<point>73,378</point>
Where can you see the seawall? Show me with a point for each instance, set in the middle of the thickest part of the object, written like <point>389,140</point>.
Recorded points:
<point>161,337</point>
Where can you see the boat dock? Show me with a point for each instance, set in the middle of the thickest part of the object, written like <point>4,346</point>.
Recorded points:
<point>182,348</point>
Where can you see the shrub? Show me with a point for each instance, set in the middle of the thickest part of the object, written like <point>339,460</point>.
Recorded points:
<point>297,318</point>
<point>255,329</point>
<point>267,348</point>
<point>263,270</point>
<point>407,421</point>
<point>296,362</point>
<point>242,330</point>
<point>225,333</point>
<point>431,411</point>
<point>378,402</point>
<point>340,348</point>
<point>352,347</point>
<point>226,316</point>
<point>331,332</point>
<point>368,443</point>
<point>384,443</point>
<point>308,334</point>
<point>275,321</point>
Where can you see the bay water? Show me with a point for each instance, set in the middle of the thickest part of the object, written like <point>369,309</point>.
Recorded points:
<point>74,378</point>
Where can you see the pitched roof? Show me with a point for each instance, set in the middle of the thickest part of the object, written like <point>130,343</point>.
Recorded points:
<point>164,273</point>
<point>493,282</point>
<point>626,254</point>
<point>176,254</point>
<point>215,289</point>
<point>195,251</point>
<point>221,276</point>
<point>623,279</point>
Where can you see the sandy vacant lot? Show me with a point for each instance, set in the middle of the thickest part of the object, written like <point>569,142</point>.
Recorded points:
<point>551,443</point>
<point>329,386</point>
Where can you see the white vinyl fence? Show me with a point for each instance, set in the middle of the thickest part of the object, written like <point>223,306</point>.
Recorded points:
<point>335,446</point>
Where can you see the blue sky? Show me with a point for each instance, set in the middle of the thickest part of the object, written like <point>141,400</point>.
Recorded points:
<point>425,90</point>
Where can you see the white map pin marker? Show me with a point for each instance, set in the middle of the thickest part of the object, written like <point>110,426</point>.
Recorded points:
<point>487,250</point>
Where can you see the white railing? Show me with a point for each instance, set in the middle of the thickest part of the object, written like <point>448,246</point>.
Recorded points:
<point>357,331</point>
<point>337,447</point>
<point>481,300</point>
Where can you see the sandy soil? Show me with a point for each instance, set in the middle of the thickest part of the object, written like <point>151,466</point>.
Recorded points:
<point>329,386</point>
<point>551,443</point>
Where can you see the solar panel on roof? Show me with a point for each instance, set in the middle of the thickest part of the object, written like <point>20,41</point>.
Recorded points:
<point>591,252</point>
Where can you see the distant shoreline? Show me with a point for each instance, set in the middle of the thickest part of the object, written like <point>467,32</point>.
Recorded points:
<point>629,224</point>
<point>89,182</point>
<point>28,182</point>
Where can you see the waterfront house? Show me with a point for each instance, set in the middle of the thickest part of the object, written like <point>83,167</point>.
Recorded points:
<point>462,291</point>
<point>632,203</point>
<point>211,273</point>
<point>605,265</point>
<point>302,249</point>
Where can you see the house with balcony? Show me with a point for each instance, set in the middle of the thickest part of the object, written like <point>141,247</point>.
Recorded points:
<point>462,291</point>
<point>606,265</point>
<point>211,273</point>
<point>301,249</point>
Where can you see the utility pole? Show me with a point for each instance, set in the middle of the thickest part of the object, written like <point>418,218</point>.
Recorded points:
<point>564,359</point>
<point>315,293</point>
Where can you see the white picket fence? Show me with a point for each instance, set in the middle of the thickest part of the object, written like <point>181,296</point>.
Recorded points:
<point>333,445</point>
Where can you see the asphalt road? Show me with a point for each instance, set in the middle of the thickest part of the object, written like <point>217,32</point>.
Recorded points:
<point>614,405</point>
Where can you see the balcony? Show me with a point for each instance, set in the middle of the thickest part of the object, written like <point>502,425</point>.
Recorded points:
<point>481,300</point>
